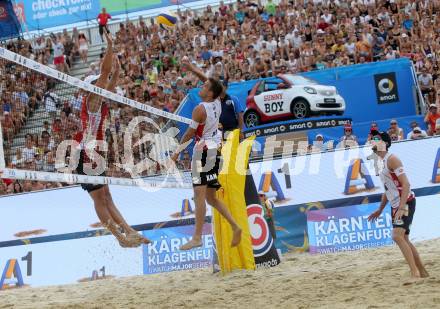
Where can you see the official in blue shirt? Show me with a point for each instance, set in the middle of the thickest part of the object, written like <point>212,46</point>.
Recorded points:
<point>231,117</point>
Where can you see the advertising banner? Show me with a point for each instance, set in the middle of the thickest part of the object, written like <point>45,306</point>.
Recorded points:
<point>71,261</point>
<point>163,254</point>
<point>292,225</point>
<point>348,229</point>
<point>263,244</point>
<point>42,14</point>
<point>344,173</point>
<point>25,218</point>
<point>297,125</point>
<point>39,14</point>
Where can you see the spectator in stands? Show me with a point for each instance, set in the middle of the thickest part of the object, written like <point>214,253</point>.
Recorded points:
<point>318,144</point>
<point>248,40</point>
<point>102,19</point>
<point>17,187</point>
<point>58,54</point>
<point>348,139</point>
<point>51,101</point>
<point>83,47</point>
<point>425,81</point>
<point>76,101</point>
<point>415,128</point>
<point>417,133</point>
<point>431,119</point>
<point>395,132</point>
<point>38,46</point>
<point>93,70</point>
<point>29,150</point>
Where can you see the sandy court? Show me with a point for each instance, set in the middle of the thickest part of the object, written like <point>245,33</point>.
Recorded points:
<point>376,278</point>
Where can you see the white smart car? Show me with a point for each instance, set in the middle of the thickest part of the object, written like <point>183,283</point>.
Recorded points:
<point>290,97</point>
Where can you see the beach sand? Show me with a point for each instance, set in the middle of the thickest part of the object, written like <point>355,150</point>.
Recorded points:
<point>374,278</point>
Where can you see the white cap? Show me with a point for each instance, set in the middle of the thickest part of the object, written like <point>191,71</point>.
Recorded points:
<point>319,135</point>
<point>417,129</point>
<point>91,79</point>
<point>404,35</point>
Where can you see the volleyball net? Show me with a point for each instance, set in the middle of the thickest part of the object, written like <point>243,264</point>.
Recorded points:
<point>42,116</point>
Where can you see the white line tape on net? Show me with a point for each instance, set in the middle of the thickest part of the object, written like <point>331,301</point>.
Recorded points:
<point>162,181</point>
<point>41,68</point>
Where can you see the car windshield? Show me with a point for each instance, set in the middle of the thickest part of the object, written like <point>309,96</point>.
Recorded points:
<point>300,80</point>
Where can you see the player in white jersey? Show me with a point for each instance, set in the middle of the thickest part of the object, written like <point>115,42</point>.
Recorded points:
<point>206,157</point>
<point>402,201</point>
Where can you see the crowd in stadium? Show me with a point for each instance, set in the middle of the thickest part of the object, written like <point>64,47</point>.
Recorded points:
<point>237,42</point>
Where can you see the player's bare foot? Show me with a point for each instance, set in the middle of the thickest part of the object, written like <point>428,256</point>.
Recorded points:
<point>424,273</point>
<point>236,237</point>
<point>415,274</point>
<point>191,244</point>
<point>139,237</point>
<point>124,242</point>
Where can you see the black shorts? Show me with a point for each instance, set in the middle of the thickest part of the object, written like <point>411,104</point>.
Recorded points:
<point>80,170</point>
<point>205,169</point>
<point>406,220</point>
<point>101,29</point>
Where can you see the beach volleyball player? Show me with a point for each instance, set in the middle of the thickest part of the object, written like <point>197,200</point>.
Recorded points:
<point>402,201</point>
<point>93,113</point>
<point>206,156</point>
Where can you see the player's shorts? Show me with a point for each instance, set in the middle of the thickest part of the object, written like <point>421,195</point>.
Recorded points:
<point>58,60</point>
<point>80,170</point>
<point>406,221</point>
<point>208,178</point>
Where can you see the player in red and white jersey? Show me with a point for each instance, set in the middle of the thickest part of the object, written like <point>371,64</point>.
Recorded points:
<point>93,114</point>
<point>206,157</point>
<point>402,201</point>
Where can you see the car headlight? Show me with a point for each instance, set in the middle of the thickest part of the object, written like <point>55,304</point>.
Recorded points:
<point>310,90</point>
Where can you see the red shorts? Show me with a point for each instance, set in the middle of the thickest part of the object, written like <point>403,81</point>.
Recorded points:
<point>58,60</point>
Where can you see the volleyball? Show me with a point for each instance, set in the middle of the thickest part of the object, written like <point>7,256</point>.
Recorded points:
<point>166,20</point>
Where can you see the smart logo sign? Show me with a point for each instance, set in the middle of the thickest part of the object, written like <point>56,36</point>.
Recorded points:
<point>163,254</point>
<point>348,229</point>
<point>386,88</point>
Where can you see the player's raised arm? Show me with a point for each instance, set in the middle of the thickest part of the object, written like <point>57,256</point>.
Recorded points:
<point>115,75</point>
<point>94,102</point>
<point>191,67</point>
<point>107,62</point>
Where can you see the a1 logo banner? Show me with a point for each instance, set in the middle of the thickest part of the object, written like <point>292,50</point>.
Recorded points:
<point>263,243</point>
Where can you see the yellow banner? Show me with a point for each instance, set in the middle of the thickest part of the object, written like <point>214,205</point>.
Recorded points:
<point>232,178</point>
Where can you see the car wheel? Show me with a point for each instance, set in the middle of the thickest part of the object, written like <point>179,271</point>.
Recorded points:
<point>300,109</point>
<point>251,119</point>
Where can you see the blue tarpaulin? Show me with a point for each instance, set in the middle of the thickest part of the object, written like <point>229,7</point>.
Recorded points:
<point>9,24</point>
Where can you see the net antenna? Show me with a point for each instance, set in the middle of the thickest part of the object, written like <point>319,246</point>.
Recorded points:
<point>146,142</point>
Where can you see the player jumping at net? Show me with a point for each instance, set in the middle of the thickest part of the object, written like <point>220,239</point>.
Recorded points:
<point>93,114</point>
<point>402,200</point>
<point>206,157</point>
